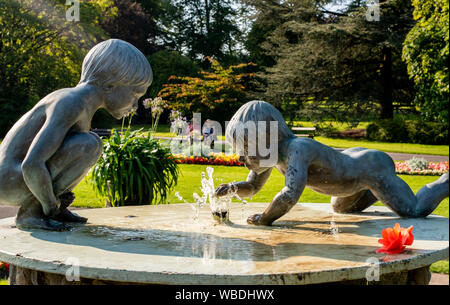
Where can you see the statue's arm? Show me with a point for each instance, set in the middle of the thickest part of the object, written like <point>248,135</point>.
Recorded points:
<point>47,141</point>
<point>253,184</point>
<point>248,188</point>
<point>295,182</point>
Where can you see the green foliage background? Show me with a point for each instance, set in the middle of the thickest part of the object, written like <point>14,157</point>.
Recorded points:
<point>426,51</point>
<point>40,51</point>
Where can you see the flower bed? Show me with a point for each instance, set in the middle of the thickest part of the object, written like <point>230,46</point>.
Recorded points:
<point>212,159</point>
<point>401,167</point>
<point>4,270</point>
<point>434,169</point>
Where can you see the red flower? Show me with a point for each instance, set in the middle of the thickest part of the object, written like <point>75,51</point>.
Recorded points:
<point>395,239</point>
<point>4,266</point>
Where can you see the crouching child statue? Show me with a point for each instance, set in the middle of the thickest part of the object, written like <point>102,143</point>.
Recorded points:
<point>50,149</point>
<point>356,178</point>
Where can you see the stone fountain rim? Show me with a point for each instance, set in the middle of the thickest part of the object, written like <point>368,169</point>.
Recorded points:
<point>304,277</point>
<point>309,277</point>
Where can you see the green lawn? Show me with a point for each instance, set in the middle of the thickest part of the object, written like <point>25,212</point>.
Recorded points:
<point>189,183</point>
<point>338,126</point>
<point>4,282</point>
<point>442,150</point>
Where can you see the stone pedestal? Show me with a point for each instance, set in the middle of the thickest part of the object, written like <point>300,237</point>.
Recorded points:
<point>165,245</point>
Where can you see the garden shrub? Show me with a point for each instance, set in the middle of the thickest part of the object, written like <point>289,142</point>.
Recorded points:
<point>427,132</point>
<point>411,131</point>
<point>134,169</point>
<point>393,130</point>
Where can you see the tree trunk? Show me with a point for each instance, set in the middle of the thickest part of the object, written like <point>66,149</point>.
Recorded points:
<point>208,17</point>
<point>386,101</point>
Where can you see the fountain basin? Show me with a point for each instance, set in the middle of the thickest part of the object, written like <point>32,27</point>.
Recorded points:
<point>164,245</point>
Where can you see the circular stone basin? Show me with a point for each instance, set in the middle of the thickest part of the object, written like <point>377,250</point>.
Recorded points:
<point>164,245</point>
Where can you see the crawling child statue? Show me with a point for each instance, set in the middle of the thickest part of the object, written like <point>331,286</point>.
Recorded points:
<point>50,149</point>
<point>355,178</point>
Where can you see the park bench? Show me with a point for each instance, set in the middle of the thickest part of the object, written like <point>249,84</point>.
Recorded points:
<point>304,131</point>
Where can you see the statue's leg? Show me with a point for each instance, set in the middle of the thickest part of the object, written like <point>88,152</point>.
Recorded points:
<point>67,167</point>
<point>429,196</point>
<point>355,203</point>
<point>73,160</point>
<point>396,195</point>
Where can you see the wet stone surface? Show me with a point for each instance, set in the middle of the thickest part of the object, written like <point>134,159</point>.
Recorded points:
<point>165,244</point>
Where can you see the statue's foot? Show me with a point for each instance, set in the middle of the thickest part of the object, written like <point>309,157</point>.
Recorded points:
<point>41,223</point>
<point>67,216</point>
<point>66,199</point>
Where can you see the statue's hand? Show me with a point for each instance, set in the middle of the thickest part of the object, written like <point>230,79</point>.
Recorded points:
<point>254,219</point>
<point>222,190</point>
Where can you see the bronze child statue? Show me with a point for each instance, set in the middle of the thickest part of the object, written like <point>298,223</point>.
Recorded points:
<point>50,149</point>
<point>355,178</point>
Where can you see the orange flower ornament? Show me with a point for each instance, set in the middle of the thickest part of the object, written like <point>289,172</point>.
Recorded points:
<point>395,239</point>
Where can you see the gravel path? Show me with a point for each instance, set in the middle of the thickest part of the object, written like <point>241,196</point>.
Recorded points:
<point>404,157</point>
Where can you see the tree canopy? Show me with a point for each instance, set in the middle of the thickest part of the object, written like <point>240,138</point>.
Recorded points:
<point>426,53</point>
<point>206,28</point>
<point>216,94</point>
<point>316,59</point>
<point>336,65</point>
<point>40,51</point>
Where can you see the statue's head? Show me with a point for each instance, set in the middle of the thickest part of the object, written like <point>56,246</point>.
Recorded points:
<point>256,131</point>
<point>121,71</point>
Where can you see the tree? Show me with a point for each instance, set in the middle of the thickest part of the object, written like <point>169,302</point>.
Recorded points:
<point>217,95</point>
<point>426,53</point>
<point>165,64</point>
<point>165,14</point>
<point>337,65</point>
<point>40,51</point>
<point>206,28</point>
<point>266,20</point>
<point>140,22</point>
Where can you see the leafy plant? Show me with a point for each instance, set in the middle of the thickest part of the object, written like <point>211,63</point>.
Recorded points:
<point>134,169</point>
